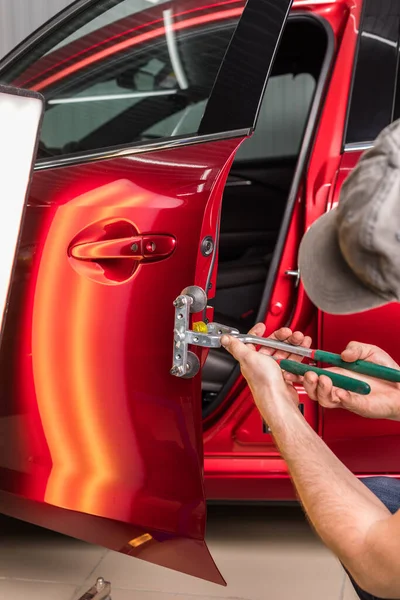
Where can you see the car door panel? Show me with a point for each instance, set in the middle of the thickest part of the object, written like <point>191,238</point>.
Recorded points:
<point>108,431</point>
<point>190,556</point>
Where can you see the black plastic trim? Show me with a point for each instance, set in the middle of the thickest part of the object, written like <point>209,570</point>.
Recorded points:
<point>236,98</point>
<point>372,96</point>
<point>67,160</point>
<point>302,163</point>
<point>353,77</point>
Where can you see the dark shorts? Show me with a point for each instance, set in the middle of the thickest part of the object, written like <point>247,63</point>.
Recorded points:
<point>388,491</point>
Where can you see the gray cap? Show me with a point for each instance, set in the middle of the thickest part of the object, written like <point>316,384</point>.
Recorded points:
<point>350,258</point>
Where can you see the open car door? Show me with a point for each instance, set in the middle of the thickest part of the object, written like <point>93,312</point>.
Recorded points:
<point>98,440</point>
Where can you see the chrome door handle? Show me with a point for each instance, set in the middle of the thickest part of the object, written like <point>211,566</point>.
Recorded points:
<point>143,248</point>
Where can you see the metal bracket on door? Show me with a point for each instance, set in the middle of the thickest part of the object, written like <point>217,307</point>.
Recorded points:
<point>100,591</point>
<point>185,364</point>
<point>295,273</point>
<point>209,335</point>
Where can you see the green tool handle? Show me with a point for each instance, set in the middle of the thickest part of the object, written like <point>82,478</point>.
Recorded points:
<point>340,381</point>
<point>359,366</point>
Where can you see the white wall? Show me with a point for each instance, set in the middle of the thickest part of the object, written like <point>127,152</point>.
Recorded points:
<point>19,18</point>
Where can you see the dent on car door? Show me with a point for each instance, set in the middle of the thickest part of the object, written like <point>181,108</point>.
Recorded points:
<point>98,439</point>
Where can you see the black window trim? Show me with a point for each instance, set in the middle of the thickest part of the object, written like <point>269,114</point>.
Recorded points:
<point>136,148</point>
<point>362,146</point>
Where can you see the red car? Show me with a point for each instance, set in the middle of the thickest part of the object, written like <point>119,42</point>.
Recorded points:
<point>149,180</point>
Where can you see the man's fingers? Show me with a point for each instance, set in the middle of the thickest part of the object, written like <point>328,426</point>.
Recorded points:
<point>295,339</point>
<point>292,378</point>
<point>356,351</point>
<point>235,347</point>
<point>346,399</point>
<point>310,382</point>
<point>304,343</point>
<point>321,390</point>
<point>324,391</point>
<point>258,330</point>
<point>352,402</point>
<point>282,334</point>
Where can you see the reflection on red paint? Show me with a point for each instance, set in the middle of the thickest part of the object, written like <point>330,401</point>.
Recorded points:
<point>84,464</point>
<point>144,37</point>
<point>130,31</point>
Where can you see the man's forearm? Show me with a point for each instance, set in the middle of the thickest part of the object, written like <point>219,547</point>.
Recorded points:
<point>340,507</point>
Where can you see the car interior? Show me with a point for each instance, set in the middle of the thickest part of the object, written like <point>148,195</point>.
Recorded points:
<point>257,190</point>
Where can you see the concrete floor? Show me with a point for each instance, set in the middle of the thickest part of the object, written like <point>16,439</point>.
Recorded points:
<point>263,552</point>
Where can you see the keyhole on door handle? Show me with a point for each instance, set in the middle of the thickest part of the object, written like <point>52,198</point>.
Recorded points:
<point>111,251</point>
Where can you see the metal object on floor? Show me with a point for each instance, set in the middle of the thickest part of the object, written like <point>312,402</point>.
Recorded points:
<point>100,591</point>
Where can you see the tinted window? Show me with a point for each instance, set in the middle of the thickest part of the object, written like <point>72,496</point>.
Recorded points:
<point>289,94</point>
<point>371,107</point>
<point>287,99</point>
<point>127,72</point>
<point>282,119</point>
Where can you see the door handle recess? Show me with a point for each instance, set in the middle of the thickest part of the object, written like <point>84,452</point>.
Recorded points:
<point>143,248</point>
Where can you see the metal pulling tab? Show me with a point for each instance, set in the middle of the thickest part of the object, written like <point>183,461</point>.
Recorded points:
<point>185,363</point>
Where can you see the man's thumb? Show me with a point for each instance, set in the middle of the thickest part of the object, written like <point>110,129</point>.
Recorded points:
<point>355,351</point>
<point>235,347</point>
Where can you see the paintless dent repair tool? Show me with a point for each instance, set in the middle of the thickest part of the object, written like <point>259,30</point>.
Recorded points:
<point>186,364</point>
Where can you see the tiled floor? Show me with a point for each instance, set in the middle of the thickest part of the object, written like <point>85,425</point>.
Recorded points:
<point>263,552</point>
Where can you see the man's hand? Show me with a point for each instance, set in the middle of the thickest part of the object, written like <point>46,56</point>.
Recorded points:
<point>262,373</point>
<point>382,403</point>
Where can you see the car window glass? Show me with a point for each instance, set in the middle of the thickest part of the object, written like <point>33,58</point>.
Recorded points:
<point>135,72</point>
<point>181,123</point>
<point>117,11</point>
<point>376,72</point>
<point>283,117</point>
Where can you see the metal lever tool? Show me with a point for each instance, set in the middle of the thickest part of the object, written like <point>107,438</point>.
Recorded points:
<point>186,364</point>
<point>213,340</point>
<point>362,367</point>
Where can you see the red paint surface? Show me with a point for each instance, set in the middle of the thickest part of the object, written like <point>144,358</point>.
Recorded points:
<point>103,428</point>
